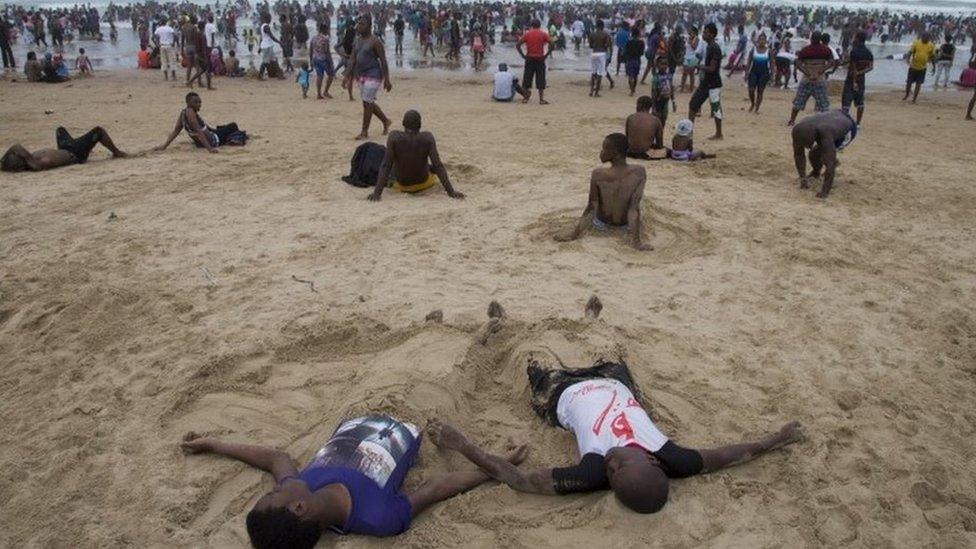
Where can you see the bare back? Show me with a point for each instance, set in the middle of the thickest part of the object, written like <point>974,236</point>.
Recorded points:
<point>413,153</point>
<point>643,132</point>
<point>618,189</point>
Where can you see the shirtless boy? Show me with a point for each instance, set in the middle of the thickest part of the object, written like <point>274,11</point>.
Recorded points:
<point>615,195</point>
<point>351,486</point>
<point>824,134</point>
<point>644,130</point>
<point>620,447</point>
<point>602,44</point>
<point>70,151</point>
<point>413,157</point>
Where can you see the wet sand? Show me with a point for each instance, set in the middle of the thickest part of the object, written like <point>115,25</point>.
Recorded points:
<point>760,304</point>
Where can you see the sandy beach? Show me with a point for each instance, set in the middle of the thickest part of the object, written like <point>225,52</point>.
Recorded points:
<point>760,304</point>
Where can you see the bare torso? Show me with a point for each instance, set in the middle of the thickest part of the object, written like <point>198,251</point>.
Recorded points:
<point>600,41</point>
<point>411,154</point>
<point>616,186</point>
<point>46,159</point>
<point>643,129</point>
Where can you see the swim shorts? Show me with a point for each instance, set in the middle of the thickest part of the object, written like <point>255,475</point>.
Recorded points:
<point>323,66</point>
<point>417,187</point>
<point>849,95</point>
<point>759,78</point>
<point>714,98</point>
<point>632,68</point>
<point>81,147</point>
<point>916,76</point>
<point>535,71</point>
<point>368,87</point>
<point>819,92</point>
<point>602,226</point>
<point>598,62</point>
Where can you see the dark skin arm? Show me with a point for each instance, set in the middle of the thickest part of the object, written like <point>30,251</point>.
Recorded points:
<point>441,171</point>
<point>592,206</point>
<point>172,135</point>
<point>384,174</point>
<point>532,481</point>
<point>633,216</point>
<point>381,55</point>
<point>20,152</point>
<point>736,454</point>
<point>198,131</point>
<point>273,461</point>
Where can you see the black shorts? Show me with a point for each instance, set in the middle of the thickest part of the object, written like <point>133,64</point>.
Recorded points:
<point>849,96</point>
<point>81,147</point>
<point>699,98</point>
<point>548,385</point>
<point>916,76</point>
<point>535,70</point>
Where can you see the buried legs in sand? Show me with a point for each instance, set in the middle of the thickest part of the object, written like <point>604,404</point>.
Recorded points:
<point>629,455</point>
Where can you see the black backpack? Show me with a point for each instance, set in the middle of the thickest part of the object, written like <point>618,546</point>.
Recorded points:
<point>365,165</point>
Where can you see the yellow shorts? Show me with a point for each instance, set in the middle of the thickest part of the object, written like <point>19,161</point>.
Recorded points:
<point>416,187</point>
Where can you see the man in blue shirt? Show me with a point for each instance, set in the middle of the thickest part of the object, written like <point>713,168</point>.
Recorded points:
<point>620,39</point>
<point>351,486</point>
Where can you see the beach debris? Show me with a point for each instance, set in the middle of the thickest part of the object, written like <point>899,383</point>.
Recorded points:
<point>436,316</point>
<point>311,285</point>
<point>112,216</point>
<point>495,310</point>
<point>593,307</point>
<point>210,278</point>
<point>48,112</point>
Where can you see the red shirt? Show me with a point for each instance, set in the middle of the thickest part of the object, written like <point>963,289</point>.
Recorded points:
<point>535,41</point>
<point>815,51</point>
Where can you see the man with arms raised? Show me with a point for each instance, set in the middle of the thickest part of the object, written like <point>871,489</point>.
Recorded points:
<point>413,157</point>
<point>620,448</point>
<point>602,44</point>
<point>615,195</point>
<point>824,134</point>
<point>70,151</point>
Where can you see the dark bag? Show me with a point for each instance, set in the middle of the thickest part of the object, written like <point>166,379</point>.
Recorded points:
<point>366,163</point>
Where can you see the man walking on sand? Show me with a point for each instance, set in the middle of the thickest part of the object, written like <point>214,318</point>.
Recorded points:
<point>368,65</point>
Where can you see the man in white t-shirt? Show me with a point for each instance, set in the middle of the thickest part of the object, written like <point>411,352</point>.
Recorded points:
<point>166,38</point>
<point>210,32</point>
<point>506,86</point>
<point>620,448</point>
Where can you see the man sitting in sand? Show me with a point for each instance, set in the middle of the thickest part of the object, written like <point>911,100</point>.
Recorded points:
<point>824,134</point>
<point>351,486</point>
<point>70,151</point>
<point>416,165</point>
<point>645,132</point>
<point>620,448</point>
<point>202,135</point>
<point>615,195</point>
<point>506,85</point>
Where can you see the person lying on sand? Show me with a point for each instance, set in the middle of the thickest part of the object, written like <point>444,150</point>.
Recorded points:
<point>407,154</point>
<point>644,130</point>
<point>620,447</point>
<point>202,135</point>
<point>351,486</point>
<point>70,151</point>
<point>615,195</point>
<point>825,134</point>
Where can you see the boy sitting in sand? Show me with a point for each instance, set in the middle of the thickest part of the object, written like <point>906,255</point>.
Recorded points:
<point>615,195</point>
<point>620,447</point>
<point>413,157</point>
<point>645,132</point>
<point>683,145</point>
<point>351,486</point>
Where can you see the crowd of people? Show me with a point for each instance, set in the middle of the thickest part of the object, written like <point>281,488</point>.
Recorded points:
<point>678,48</point>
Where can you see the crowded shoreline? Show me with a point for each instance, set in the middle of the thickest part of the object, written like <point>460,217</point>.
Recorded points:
<point>544,279</point>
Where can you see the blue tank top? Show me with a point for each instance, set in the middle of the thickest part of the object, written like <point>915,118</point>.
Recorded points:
<point>370,456</point>
<point>760,61</point>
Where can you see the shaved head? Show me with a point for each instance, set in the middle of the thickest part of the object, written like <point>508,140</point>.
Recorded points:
<point>411,120</point>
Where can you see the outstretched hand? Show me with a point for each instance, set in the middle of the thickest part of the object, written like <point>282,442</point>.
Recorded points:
<point>445,435</point>
<point>194,443</point>
<point>373,197</point>
<point>456,194</point>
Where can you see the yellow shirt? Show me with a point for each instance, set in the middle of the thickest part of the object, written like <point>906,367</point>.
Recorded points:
<point>921,53</point>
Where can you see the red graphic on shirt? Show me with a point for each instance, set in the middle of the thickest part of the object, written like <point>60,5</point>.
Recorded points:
<point>599,421</point>
<point>621,428</point>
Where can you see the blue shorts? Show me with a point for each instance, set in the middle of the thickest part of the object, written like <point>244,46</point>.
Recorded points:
<point>759,78</point>
<point>323,66</point>
<point>632,67</point>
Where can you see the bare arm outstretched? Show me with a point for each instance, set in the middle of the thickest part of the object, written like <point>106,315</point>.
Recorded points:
<point>276,462</point>
<point>592,206</point>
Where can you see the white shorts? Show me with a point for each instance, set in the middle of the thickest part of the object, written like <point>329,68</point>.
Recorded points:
<point>368,88</point>
<point>267,55</point>
<point>169,61</point>
<point>598,62</point>
<point>715,98</point>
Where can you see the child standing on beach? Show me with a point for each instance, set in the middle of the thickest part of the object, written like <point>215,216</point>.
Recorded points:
<point>662,90</point>
<point>303,79</point>
<point>82,63</point>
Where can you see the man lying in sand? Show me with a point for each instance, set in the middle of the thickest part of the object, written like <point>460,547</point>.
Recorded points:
<point>407,154</point>
<point>70,151</point>
<point>825,134</point>
<point>351,486</point>
<point>615,195</point>
<point>202,135</point>
<point>620,447</point>
<point>644,131</point>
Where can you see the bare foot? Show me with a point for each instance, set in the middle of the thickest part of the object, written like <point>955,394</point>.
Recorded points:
<point>361,136</point>
<point>805,182</point>
<point>643,247</point>
<point>327,95</point>
<point>445,435</point>
<point>821,194</point>
<point>715,138</point>
<point>386,127</point>
<point>495,310</point>
<point>593,307</point>
<point>543,102</point>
